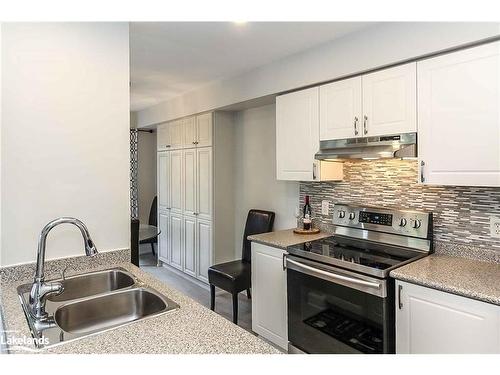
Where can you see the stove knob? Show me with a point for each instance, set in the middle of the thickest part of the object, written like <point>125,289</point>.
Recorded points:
<point>341,214</point>
<point>352,215</point>
<point>402,222</point>
<point>416,224</point>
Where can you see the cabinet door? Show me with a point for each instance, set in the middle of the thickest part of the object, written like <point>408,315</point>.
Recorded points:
<point>204,130</point>
<point>189,132</point>
<point>458,117</point>
<point>162,137</point>
<point>203,249</point>
<point>189,161</point>
<point>164,237</point>
<point>340,109</point>
<point>430,321</point>
<point>269,306</point>
<point>189,245</point>
<point>390,101</point>
<point>297,134</point>
<point>204,182</point>
<point>176,234</point>
<point>163,187</point>
<point>176,188</point>
<point>176,134</point>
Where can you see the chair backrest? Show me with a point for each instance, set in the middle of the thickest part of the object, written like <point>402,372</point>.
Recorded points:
<point>153,218</point>
<point>258,221</point>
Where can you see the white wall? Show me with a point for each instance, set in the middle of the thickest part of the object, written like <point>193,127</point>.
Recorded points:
<point>65,136</point>
<point>146,173</point>
<point>255,184</point>
<point>373,47</point>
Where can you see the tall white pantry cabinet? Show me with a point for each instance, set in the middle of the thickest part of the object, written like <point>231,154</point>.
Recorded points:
<point>194,185</point>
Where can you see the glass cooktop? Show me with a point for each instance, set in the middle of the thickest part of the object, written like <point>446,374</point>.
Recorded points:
<point>354,254</point>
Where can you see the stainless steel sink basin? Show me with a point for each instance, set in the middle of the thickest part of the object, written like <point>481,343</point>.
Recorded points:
<point>91,303</point>
<point>109,310</point>
<point>94,283</point>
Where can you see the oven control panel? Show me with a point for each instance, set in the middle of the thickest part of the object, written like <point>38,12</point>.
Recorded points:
<point>403,222</point>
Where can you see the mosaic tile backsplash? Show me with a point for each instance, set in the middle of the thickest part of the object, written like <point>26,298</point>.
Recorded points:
<point>461,214</point>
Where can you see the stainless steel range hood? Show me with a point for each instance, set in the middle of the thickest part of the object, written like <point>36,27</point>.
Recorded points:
<point>387,146</point>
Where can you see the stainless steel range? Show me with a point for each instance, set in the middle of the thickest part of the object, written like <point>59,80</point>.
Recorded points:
<point>340,296</point>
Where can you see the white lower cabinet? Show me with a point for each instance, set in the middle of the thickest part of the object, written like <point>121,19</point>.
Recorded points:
<point>189,245</point>
<point>431,321</point>
<point>203,248</point>
<point>176,234</point>
<point>269,306</point>
<point>164,237</point>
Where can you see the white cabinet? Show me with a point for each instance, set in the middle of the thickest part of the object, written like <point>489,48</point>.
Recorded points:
<point>459,117</point>
<point>190,183</point>
<point>204,130</point>
<point>176,182</point>
<point>176,134</point>
<point>379,103</point>
<point>431,321</point>
<point>390,101</point>
<point>269,305</point>
<point>164,237</point>
<point>340,109</point>
<point>189,245</point>
<point>176,234</point>
<point>189,132</point>
<point>163,186</point>
<point>204,182</point>
<point>297,134</point>
<point>204,248</point>
<point>162,137</point>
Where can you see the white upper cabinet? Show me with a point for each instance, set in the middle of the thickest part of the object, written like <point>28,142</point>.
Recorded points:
<point>176,182</point>
<point>340,110</point>
<point>459,117</point>
<point>204,182</point>
<point>297,134</point>
<point>162,137</point>
<point>163,187</point>
<point>389,101</point>
<point>189,132</point>
<point>176,134</point>
<point>379,103</point>
<point>190,185</point>
<point>204,130</point>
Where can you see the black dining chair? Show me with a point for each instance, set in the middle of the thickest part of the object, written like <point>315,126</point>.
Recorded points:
<point>134,242</point>
<point>235,277</point>
<point>153,220</point>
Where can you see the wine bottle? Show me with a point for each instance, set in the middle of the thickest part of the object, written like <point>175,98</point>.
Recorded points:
<point>306,219</point>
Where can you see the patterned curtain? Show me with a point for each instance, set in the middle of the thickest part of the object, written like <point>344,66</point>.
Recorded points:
<point>134,158</point>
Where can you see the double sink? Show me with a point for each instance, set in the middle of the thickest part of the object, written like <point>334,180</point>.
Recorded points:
<point>94,302</point>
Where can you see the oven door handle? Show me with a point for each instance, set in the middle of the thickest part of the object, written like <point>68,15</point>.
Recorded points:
<point>315,271</point>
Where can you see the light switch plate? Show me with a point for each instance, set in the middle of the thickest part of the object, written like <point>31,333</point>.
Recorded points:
<point>495,226</point>
<point>325,206</point>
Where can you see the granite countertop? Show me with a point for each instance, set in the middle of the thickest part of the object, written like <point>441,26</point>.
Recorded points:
<point>192,328</point>
<point>284,238</point>
<point>462,276</point>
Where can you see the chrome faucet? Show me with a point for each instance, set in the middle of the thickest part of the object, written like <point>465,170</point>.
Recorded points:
<point>40,290</point>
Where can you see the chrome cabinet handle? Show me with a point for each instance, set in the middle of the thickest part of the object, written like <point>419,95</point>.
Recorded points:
<point>194,143</point>
<point>422,178</point>
<point>333,276</point>
<point>400,302</point>
<point>356,125</point>
<point>365,127</point>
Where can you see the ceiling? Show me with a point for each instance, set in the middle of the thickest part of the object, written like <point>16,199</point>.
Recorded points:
<point>171,58</point>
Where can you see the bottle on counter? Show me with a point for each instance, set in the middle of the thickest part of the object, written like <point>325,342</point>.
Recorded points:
<point>307,214</point>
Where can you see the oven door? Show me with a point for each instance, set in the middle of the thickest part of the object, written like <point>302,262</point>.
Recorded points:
<point>331,310</point>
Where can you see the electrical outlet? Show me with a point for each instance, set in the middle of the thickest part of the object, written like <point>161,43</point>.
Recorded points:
<point>495,226</point>
<point>325,206</point>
